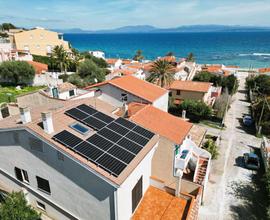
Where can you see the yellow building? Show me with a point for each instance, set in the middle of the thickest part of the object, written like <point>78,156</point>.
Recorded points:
<point>38,41</point>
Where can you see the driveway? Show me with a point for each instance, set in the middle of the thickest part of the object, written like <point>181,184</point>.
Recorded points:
<point>229,181</point>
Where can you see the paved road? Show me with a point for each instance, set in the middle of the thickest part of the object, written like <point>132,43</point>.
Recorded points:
<point>223,199</point>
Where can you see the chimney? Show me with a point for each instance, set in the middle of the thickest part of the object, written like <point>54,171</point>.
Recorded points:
<point>25,115</point>
<point>125,107</point>
<point>184,114</point>
<point>47,122</point>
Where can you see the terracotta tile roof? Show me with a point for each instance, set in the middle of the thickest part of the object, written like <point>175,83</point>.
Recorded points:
<point>39,67</point>
<point>111,61</point>
<point>168,58</point>
<point>134,107</point>
<point>190,86</point>
<point>213,68</point>
<point>160,205</point>
<point>62,122</point>
<point>66,86</point>
<point>162,123</point>
<point>232,66</point>
<point>135,86</point>
<point>264,70</point>
<point>125,62</point>
<point>125,72</point>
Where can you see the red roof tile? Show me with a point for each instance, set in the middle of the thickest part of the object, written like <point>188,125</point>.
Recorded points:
<point>163,123</point>
<point>39,67</point>
<point>190,86</point>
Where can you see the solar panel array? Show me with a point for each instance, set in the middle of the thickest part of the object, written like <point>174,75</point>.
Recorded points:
<point>115,144</point>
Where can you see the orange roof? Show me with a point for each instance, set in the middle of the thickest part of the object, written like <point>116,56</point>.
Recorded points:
<point>39,67</point>
<point>134,107</point>
<point>264,70</point>
<point>232,66</point>
<point>190,86</point>
<point>66,86</point>
<point>135,86</point>
<point>125,72</point>
<point>163,123</point>
<point>168,58</point>
<point>111,61</point>
<point>212,69</point>
<point>160,205</point>
<point>125,62</point>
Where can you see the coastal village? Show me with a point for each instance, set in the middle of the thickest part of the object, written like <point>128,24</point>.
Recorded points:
<point>85,136</point>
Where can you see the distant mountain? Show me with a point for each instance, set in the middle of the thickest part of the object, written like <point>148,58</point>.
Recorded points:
<point>181,29</point>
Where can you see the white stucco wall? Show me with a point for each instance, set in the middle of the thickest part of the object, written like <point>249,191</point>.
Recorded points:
<point>74,188</point>
<point>124,193</point>
<point>162,102</point>
<point>65,95</point>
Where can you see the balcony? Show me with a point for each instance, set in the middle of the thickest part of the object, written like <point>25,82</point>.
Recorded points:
<point>182,158</point>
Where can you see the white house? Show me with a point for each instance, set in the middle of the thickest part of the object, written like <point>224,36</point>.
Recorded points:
<point>98,54</point>
<point>127,89</point>
<point>64,90</point>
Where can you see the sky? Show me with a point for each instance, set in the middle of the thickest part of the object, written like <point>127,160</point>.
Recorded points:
<point>106,14</point>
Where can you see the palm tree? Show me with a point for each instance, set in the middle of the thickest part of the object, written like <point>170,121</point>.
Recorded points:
<point>162,73</point>
<point>62,58</point>
<point>190,57</point>
<point>138,56</point>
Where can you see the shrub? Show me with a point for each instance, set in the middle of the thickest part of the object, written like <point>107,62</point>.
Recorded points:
<point>76,80</point>
<point>17,72</point>
<point>15,207</point>
<point>212,148</point>
<point>195,110</point>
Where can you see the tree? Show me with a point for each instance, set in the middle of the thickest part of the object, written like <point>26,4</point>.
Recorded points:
<point>7,26</point>
<point>190,58</point>
<point>76,80</point>
<point>211,147</point>
<point>221,104</point>
<point>17,72</point>
<point>169,54</point>
<point>61,57</point>
<point>205,76</point>
<point>89,71</point>
<point>15,208</point>
<point>162,73</point>
<point>195,110</point>
<point>231,82</point>
<point>259,83</point>
<point>138,56</point>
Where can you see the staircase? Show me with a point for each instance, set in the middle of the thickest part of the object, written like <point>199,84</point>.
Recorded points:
<point>201,171</point>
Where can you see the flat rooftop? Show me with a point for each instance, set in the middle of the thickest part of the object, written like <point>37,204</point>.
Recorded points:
<point>160,205</point>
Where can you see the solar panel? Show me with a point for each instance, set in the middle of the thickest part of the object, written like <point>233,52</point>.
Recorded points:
<point>121,154</point>
<point>143,132</point>
<point>100,142</point>
<point>118,128</point>
<point>129,145</point>
<point>94,123</point>
<point>125,123</point>
<point>87,109</point>
<point>76,113</point>
<point>109,134</point>
<point>111,164</point>
<point>137,138</point>
<point>105,118</point>
<point>88,151</point>
<point>68,139</point>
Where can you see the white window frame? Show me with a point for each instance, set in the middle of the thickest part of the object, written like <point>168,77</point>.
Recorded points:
<point>39,205</point>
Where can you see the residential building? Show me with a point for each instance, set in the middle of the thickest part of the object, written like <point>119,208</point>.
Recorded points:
<point>63,91</point>
<point>198,91</point>
<point>138,73</point>
<point>127,89</point>
<point>98,54</point>
<point>38,41</point>
<point>114,64</point>
<point>71,168</point>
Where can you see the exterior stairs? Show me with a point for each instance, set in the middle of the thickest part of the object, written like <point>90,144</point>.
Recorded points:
<point>201,171</point>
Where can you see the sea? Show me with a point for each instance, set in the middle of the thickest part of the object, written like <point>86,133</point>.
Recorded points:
<point>244,49</point>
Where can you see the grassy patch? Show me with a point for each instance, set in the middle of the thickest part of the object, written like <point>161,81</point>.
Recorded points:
<point>8,94</point>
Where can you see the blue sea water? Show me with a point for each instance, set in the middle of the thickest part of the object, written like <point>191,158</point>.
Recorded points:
<point>251,49</point>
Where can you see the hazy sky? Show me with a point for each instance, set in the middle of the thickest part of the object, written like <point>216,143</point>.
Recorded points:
<point>99,14</point>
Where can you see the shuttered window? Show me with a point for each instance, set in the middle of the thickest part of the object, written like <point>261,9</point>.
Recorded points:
<point>43,184</point>
<point>137,194</point>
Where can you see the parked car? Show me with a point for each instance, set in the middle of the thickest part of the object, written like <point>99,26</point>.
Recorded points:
<point>252,161</point>
<point>247,120</point>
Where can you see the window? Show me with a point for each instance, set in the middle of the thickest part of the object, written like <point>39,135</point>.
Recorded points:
<point>43,185</point>
<point>124,97</point>
<point>178,92</point>
<point>41,206</point>
<point>71,93</point>
<point>136,194</point>
<point>21,175</point>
